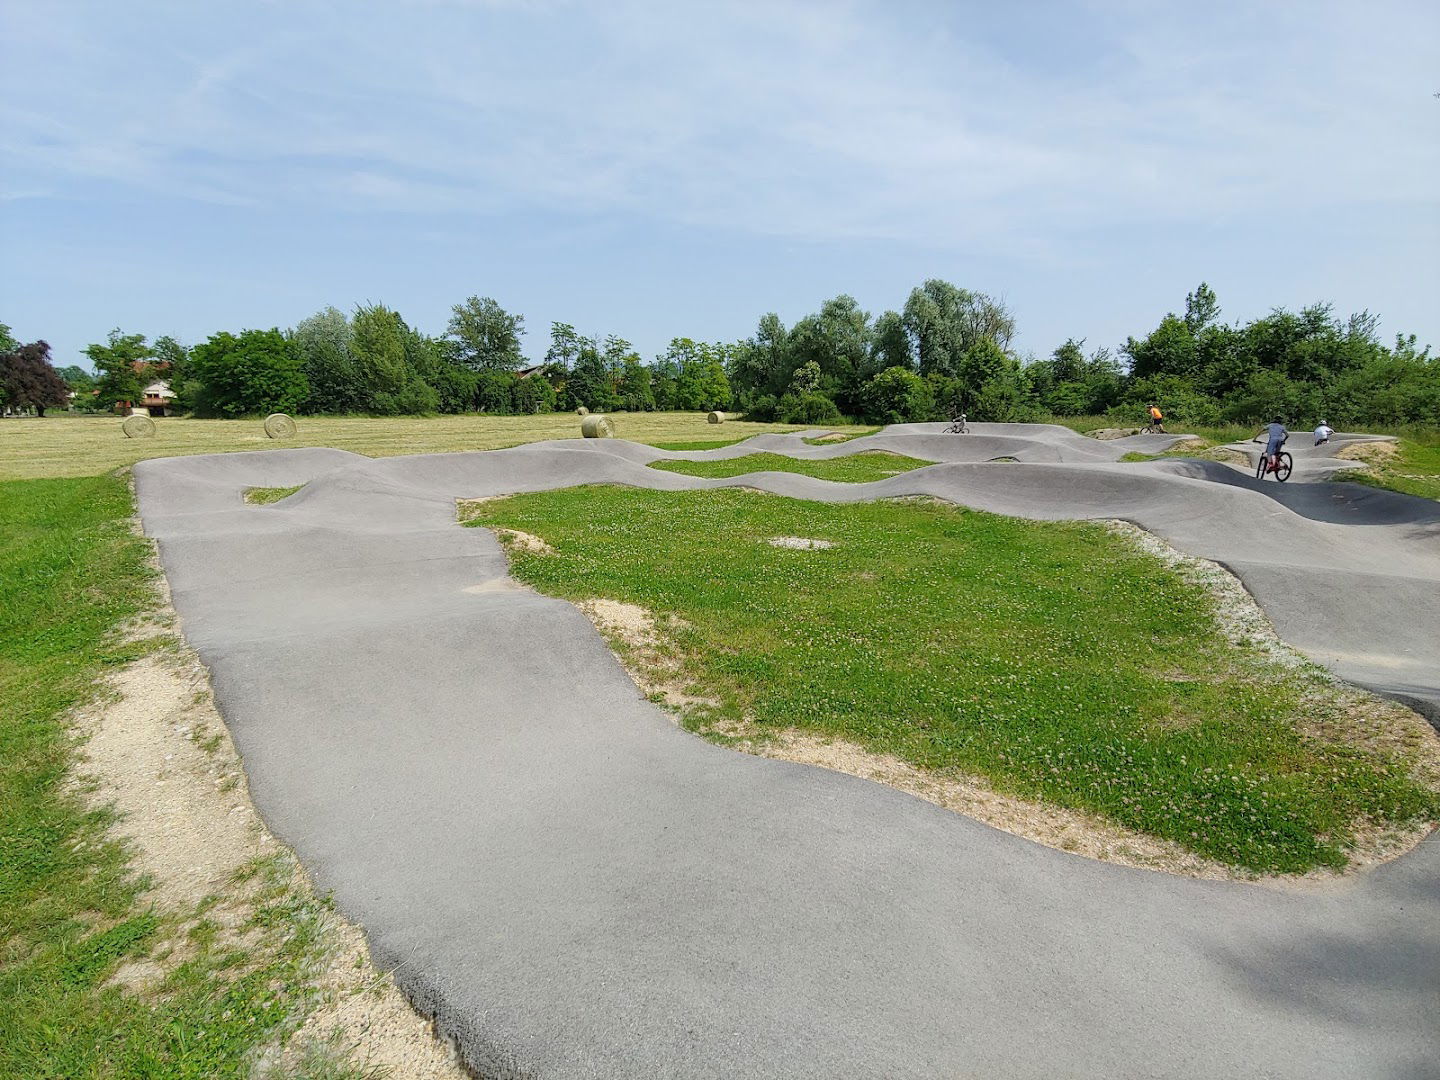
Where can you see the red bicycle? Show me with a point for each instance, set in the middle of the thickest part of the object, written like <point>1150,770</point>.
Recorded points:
<point>1278,465</point>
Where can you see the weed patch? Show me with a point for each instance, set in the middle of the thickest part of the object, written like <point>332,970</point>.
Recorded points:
<point>264,496</point>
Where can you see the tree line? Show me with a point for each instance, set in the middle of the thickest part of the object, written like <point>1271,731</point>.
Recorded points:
<point>947,350</point>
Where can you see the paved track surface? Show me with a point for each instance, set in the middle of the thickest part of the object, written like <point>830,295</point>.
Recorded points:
<point>574,887</point>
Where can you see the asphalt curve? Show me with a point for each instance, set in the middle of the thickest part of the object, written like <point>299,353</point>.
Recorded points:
<point>574,887</point>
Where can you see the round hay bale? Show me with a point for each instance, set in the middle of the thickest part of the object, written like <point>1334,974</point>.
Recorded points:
<point>279,426</point>
<point>138,426</point>
<point>716,417</point>
<point>597,426</point>
<point>582,411</point>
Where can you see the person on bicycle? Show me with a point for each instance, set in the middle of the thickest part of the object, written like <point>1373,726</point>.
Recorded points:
<point>1275,436</point>
<point>1323,433</point>
<point>1156,418</point>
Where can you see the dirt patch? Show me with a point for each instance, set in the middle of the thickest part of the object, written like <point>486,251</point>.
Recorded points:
<point>834,436</point>
<point>364,1018</point>
<point>523,541</point>
<point>800,543</point>
<point>1109,434</point>
<point>640,640</point>
<point>465,509</point>
<point>1372,453</point>
<point>468,509</point>
<point>1189,446</point>
<point>157,749</point>
<point>1226,455</point>
<point>632,623</point>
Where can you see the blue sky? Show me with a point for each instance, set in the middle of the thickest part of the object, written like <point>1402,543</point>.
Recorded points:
<point>658,169</point>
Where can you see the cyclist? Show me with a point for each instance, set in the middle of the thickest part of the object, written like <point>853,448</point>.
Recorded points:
<point>1275,436</point>
<point>1323,433</point>
<point>1155,418</point>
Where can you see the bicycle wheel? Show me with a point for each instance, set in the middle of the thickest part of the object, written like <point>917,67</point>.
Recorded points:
<point>1260,466</point>
<point>1283,467</point>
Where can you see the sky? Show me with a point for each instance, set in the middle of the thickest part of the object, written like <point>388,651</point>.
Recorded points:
<point>666,169</point>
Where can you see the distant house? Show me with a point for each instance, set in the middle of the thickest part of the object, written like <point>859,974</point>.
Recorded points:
<point>157,398</point>
<point>534,369</point>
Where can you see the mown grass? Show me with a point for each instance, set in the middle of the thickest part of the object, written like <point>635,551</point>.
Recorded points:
<point>849,469</point>
<point>71,908</point>
<point>61,445</point>
<point>1054,659</point>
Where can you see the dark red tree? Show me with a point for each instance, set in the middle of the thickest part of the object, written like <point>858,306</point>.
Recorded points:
<point>29,379</point>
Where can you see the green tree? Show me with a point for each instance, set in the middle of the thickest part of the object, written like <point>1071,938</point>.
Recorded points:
<point>120,365</point>
<point>256,372</point>
<point>534,394</point>
<point>169,352</point>
<point>701,383</point>
<point>838,340</point>
<point>377,341</point>
<point>453,384</point>
<point>486,336</point>
<point>323,344</point>
<point>565,346</point>
<point>1201,309</point>
<point>806,379</point>
<point>945,321</point>
<point>897,396</point>
<point>390,359</point>
<point>29,380</point>
<point>495,392</point>
<point>890,343</point>
<point>588,382</point>
<point>663,374</point>
<point>1169,349</point>
<point>635,392</point>
<point>762,365</point>
<point>77,378</point>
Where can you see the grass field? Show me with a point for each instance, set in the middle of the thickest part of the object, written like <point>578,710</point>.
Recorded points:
<point>89,445</point>
<point>850,469</point>
<point>71,908</point>
<point>1054,659</point>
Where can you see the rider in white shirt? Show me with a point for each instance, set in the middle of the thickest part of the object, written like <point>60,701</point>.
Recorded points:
<point>1323,433</point>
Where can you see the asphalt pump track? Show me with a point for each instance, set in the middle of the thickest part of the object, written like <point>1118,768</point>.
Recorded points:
<point>572,886</point>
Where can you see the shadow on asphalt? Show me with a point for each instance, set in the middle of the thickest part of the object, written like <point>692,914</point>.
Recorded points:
<point>1335,503</point>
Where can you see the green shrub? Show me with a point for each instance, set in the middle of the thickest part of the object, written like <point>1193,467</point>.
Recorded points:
<point>897,396</point>
<point>807,409</point>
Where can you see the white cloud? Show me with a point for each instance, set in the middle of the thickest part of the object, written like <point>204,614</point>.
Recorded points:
<point>814,120</point>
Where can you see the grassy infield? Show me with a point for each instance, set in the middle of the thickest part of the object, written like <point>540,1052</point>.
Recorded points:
<point>71,909</point>
<point>1053,658</point>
